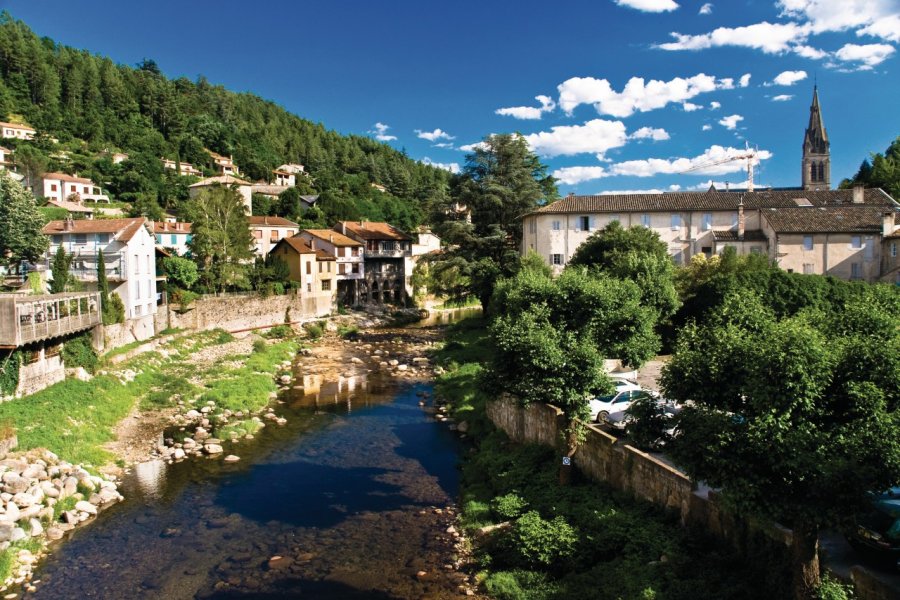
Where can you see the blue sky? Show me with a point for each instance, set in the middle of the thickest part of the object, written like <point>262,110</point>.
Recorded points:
<point>613,94</point>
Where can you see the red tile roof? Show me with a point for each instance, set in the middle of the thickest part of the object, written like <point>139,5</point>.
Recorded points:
<point>67,177</point>
<point>123,229</point>
<point>166,227</point>
<point>220,180</point>
<point>270,222</point>
<point>331,236</point>
<point>370,230</point>
<point>831,219</point>
<point>297,244</point>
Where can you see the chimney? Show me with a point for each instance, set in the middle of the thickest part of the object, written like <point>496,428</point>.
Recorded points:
<point>887,224</point>
<point>362,223</point>
<point>69,224</point>
<point>741,218</point>
<point>265,220</point>
<point>859,193</point>
<point>312,243</point>
<point>344,227</point>
<point>331,238</point>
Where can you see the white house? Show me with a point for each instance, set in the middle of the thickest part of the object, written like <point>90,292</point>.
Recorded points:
<point>173,235</point>
<point>243,187</point>
<point>5,157</point>
<point>16,131</point>
<point>224,164</point>
<point>129,257</point>
<point>183,168</point>
<point>284,178</point>
<point>60,186</point>
<point>292,168</point>
<point>268,231</point>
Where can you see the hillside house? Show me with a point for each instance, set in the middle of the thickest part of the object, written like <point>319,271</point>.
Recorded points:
<point>223,164</point>
<point>241,186</point>
<point>61,186</point>
<point>183,168</point>
<point>172,235</point>
<point>16,131</point>
<point>268,231</point>
<point>128,253</point>
<point>284,178</point>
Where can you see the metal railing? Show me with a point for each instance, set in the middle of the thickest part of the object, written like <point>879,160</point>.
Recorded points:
<point>27,319</point>
<point>388,253</point>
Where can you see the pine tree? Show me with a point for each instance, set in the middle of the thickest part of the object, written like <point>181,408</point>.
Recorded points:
<point>59,270</point>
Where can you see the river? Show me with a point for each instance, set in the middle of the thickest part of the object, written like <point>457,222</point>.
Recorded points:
<point>351,499</point>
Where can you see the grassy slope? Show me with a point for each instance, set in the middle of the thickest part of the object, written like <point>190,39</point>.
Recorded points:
<point>583,541</point>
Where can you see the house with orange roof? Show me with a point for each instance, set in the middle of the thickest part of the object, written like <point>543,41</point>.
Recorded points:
<point>129,258</point>
<point>387,253</point>
<point>223,164</point>
<point>349,257</point>
<point>268,231</point>
<point>183,168</point>
<point>172,235</point>
<point>313,270</point>
<point>62,187</point>
<point>17,131</point>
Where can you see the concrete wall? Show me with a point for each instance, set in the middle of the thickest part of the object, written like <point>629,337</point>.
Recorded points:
<point>37,376</point>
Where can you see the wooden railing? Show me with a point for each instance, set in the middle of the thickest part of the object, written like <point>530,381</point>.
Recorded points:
<point>27,319</point>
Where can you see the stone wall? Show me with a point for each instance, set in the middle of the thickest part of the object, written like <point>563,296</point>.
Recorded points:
<point>603,458</point>
<point>237,312</point>
<point>37,376</point>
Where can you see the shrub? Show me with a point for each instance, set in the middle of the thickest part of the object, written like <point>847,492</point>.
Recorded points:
<point>314,330</point>
<point>114,310</point>
<point>9,372</point>
<point>509,506</point>
<point>78,352</point>
<point>259,345</point>
<point>348,332</point>
<point>280,332</point>
<point>538,543</point>
<point>834,589</point>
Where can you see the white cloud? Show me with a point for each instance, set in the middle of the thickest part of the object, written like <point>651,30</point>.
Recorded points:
<point>788,78</point>
<point>446,145</point>
<point>672,188</point>
<point>869,55</point>
<point>637,95</point>
<point>433,136</point>
<point>771,38</point>
<point>473,147</point>
<point>726,185</point>
<point>745,80</point>
<point>379,130</point>
<point>529,112</point>
<point>838,15</point>
<point>886,28</point>
<point>707,127</point>
<point>782,97</point>
<point>596,136</point>
<point>690,106</point>
<point>715,105</point>
<point>706,9</point>
<point>573,175</point>
<point>809,52</point>
<point>731,121</point>
<point>713,161</point>
<point>657,135</point>
<point>649,5</point>
<point>452,167</point>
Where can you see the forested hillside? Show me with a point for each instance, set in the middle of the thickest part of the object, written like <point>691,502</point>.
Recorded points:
<point>94,106</point>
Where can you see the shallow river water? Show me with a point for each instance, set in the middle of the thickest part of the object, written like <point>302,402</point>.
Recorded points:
<point>348,500</point>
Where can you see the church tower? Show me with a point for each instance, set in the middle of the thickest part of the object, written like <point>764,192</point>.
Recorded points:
<point>816,153</point>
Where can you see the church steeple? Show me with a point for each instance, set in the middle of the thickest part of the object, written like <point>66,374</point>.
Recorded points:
<point>816,174</point>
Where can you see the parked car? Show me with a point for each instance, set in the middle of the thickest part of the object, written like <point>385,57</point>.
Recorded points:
<point>621,419</point>
<point>876,533</point>
<point>619,401</point>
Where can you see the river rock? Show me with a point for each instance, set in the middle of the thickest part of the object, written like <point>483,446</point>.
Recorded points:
<point>6,530</point>
<point>463,427</point>
<point>213,449</point>
<point>35,527</point>
<point>50,490</point>
<point>356,360</point>
<point>70,486</point>
<point>54,533</point>
<point>87,507</point>
<point>12,513</point>
<point>70,517</point>
<point>231,458</point>
<point>419,360</point>
<point>285,379</point>
<point>200,434</point>
<point>402,367</point>
<point>179,454</point>
<point>15,484</point>
<point>17,534</point>
<point>192,414</point>
<point>393,362</point>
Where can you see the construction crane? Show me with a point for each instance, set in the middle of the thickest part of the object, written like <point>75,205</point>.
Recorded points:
<point>749,155</point>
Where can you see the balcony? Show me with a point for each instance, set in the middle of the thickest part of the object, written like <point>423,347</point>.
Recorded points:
<point>27,319</point>
<point>84,267</point>
<point>388,251</point>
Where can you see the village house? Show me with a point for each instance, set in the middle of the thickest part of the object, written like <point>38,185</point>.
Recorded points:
<point>129,256</point>
<point>292,168</point>
<point>268,190</point>
<point>183,168</point>
<point>5,158</point>
<point>172,236</point>
<point>223,164</point>
<point>349,260</point>
<point>313,270</point>
<point>16,131</point>
<point>76,210</point>
<point>61,186</point>
<point>242,187</point>
<point>118,157</point>
<point>386,254</point>
<point>890,261</point>
<point>284,178</point>
<point>268,231</point>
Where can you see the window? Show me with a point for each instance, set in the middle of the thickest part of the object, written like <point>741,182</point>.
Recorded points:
<point>557,225</point>
<point>87,190</point>
<point>870,249</point>
<point>676,222</point>
<point>52,187</point>
<point>326,285</point>
<point>320,267</point>
<point>308,287</point>
<point>257,234</point>
<point>137,264</point>
<point>340,252</point>
<point>893,249</point>
<point>584,223</point>
<point>807,242</point>
<point>355,251</point>
<point>81,238</point>
<point>707,221</point>
<point>645,220</point>
<point>355,268</point>
<point>57,239</point>
<point>174,239</point>
<point>102,238</point>
<point>188,237</point>
<point>309,268</point>
<point>556,259</point>
<point>808,269</point>
<point>855,271</point>
<point>159,238</point>
<point>274,235</point>
<point>856,242</point>
<point>342,268</point>
<point>734,221</point>
<point>707,250</point>
<point>532,225</point>
<point>677,257</point>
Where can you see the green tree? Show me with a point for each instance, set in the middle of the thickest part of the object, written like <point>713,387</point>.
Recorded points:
<point>794,418</point>
<point>502,180</point>
<point>221,243</point>
<point>550,337</point>
<point>181,272</point>
<point>20,224</point>
<point>59,271</point>
<point>636,254</point>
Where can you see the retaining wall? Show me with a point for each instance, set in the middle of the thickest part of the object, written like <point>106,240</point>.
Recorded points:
<point>236,312</point>
<point>37,376</point>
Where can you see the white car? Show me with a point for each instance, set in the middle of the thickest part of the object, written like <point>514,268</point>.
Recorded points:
<point>621,419</point>
<point>619,401</point>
